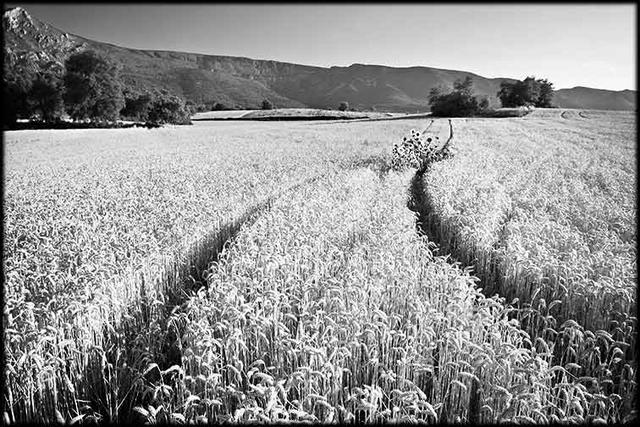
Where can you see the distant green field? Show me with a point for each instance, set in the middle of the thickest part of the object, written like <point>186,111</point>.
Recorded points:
<point>289,113</point>
<point>256,271</point>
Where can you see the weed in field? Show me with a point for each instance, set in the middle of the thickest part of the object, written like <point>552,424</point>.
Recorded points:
<point>418,150</point>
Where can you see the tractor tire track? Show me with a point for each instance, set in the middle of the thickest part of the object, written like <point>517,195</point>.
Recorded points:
<point>176,284</point>
<point>542,322</point>
<point>217,241</point>
<point>209,249</point>
<point>573,115</point>
<point>418,197</point>
<point>144,312</point>
<point>429,224</point>
<point>489,271</point>
<point>536,318</point>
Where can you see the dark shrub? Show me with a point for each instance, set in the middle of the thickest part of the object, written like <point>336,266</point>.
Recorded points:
<point>458,103</point>
<point>137,107</point>
<point>169,109</point>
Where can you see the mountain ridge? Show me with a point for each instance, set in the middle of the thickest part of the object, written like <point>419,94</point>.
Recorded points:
<point>236,81</point>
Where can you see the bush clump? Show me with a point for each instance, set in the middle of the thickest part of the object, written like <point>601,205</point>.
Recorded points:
<point>158,109</point>
<point>528,92</point>
<point>418,150</point>
<point>458,103</point>
<point>169,109</point>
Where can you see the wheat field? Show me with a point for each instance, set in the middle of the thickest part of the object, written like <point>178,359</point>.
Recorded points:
<point>243,272</point>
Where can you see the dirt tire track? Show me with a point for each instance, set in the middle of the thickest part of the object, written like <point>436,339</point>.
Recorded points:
<point>418,197</point>
<point>191,270</point>
<point>198,259</point>
<point>528,312</point>
<point>215,242</point>
<point>428,224</point>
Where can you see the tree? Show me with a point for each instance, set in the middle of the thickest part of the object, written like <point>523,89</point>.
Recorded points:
<point>267,105</point>
<point>92,89</point>
<point>435,92</point>
<point>15,101</point>
<point>45,98</point>
<point>545,95</point>
<point>532,88</point>
<point>344,106</point>
<point>458,103</point>
<point>510,94</point>
<point>530,91</point>
<point>169,109</point>
<point>464,87</point>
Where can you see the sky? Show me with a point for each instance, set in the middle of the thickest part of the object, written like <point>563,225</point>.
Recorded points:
<point>589,45</point>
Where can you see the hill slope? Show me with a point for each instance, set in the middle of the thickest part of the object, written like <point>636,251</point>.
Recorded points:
<point>31,45</point>
<point>596,99</point>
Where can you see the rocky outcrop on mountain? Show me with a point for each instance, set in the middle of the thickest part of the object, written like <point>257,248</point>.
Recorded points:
<point>31,45</point>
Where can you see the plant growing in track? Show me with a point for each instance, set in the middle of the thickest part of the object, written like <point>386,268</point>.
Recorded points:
<point>419,149</point>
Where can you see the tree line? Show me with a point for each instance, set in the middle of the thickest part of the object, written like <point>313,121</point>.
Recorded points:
<point>461,102</point>
<point>88,89</point>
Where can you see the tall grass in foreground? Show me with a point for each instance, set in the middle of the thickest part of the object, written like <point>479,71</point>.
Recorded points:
<point>330,287</point>
<point>331,308</point>
<point>545,212</point>
<point>70,352</point>
<point>103,230</point>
